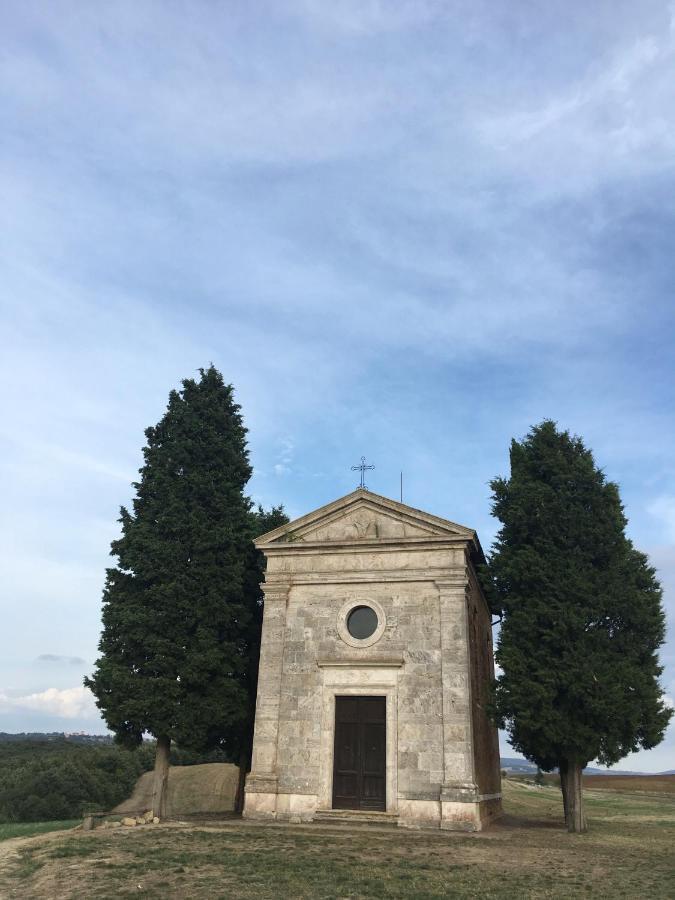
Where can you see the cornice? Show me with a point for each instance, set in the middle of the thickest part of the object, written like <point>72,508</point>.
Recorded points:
<point>276,590</point>
<point>365,545</point>
<point>357,662</point>
<point>457,580</point>
<point>370,577</point>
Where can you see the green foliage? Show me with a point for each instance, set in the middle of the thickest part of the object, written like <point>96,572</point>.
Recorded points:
<point>42,781</point>
<point>178,615</point>
<point>581,607</point>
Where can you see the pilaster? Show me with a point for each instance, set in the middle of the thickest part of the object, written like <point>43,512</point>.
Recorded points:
<point>459,793</point>
<point>261,783</point>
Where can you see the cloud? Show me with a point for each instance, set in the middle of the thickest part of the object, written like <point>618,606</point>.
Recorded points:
<point>608,124</point>
<point>285,457</point>
<point>422,225</point>
<point>69,703</point>
<point>56,658</point>
<point>616,79</point>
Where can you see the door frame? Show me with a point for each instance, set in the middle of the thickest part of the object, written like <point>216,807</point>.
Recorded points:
<point>365,682</point>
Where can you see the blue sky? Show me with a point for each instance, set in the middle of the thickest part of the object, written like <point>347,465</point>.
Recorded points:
<point>409,230</point>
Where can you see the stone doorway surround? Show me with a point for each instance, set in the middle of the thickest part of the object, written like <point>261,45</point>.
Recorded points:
<point>375,678</point>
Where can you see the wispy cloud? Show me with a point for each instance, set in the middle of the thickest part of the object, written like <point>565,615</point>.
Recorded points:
<point>613,83</point>
<point>611,123</point>
<point>285,457</point>
<point>56,658</point>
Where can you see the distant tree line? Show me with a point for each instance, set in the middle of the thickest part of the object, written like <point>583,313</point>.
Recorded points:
<point>22,736</point>
<point>45,780</point>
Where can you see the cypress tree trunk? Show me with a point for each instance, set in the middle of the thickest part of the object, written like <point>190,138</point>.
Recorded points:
<point>161,776</point>
<point>244,757</point>
<point>564,787</point>
<point>576,820</point>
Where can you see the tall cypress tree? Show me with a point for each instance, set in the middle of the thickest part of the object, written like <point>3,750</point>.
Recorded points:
<point>582,616</point>
<point>178,621</point>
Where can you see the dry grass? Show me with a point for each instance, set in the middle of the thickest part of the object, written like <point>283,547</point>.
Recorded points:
<point>627,854</point>
<point>651,784</point>
<point>28,829</point>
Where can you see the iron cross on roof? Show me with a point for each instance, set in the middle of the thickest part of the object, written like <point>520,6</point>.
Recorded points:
<point>362,469</point>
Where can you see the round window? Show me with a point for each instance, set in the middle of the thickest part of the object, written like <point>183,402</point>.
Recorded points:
<point>362,622</point>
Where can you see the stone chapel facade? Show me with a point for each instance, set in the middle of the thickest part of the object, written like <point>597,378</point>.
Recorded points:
<point>375,663</point>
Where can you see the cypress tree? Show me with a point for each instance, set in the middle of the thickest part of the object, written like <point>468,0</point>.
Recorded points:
<point>178,621</point>
<point>582,618</point>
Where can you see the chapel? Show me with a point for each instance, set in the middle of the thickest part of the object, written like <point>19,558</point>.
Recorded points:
<point>375,664</point>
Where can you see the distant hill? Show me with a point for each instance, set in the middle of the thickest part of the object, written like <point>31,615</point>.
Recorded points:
<point>74,737</point>
<point>514,766</point>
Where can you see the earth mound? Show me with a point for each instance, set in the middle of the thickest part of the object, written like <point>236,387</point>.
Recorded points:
<point>206,788</point>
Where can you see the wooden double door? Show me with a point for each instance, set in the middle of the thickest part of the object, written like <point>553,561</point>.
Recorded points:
<point>359,756</point>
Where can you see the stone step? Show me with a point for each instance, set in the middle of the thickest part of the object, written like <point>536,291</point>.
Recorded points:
<point>355,817</point>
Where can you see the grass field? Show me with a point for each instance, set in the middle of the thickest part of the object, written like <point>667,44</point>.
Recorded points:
<point>28,829</point>
<point>627,854</point>
<point>633,784</point>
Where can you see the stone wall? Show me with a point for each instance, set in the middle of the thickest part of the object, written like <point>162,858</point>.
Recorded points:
<point>312,635</point>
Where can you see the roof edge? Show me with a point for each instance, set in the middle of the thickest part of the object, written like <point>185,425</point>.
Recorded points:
<point>363,494</point>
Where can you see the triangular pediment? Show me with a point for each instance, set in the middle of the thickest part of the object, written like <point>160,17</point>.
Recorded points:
<point>363,516</point>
